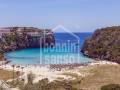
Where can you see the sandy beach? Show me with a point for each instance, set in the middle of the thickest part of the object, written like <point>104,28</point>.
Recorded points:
<point>52,72</point>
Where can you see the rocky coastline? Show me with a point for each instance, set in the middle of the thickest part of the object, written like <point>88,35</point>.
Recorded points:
<point>16,38</point>
<point>104,44</point>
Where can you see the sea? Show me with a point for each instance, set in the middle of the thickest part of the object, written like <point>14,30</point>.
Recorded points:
<point>66,51</point>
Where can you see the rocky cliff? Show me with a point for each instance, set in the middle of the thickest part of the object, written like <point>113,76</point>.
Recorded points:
<point>14,38</point>
<point>104,44</point>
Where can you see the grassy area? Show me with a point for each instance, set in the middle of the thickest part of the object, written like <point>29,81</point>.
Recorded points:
<point>101,75</point>
<point>5,75</point>
<point>98,76</point>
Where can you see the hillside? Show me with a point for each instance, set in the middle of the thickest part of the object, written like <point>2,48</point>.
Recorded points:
<point>104,44</point>
<point>16,38</point>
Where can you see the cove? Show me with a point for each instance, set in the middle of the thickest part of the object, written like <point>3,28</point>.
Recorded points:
<point>57,55</point>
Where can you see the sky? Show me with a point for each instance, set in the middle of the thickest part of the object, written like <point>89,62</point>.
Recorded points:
<point>75,15</point>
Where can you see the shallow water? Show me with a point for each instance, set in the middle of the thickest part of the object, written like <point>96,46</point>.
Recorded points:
<point>66,51</point>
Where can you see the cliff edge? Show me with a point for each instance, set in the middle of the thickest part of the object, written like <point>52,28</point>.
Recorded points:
<point>104,44</point>
<point>15,38</point>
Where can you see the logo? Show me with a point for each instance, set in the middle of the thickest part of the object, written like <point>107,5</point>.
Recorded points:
<point>66,49</point>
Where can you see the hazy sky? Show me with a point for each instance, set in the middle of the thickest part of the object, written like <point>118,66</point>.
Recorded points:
<point>75,15</point>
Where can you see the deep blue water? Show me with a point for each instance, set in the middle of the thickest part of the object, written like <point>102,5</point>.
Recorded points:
<point>66,50</point>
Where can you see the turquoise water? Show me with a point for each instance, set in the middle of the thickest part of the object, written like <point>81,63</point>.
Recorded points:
<point>63,53</point>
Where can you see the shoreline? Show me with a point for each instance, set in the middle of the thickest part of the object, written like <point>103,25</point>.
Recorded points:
<point>96,59</point>
<point>69,65</point>
<point>52,72</point>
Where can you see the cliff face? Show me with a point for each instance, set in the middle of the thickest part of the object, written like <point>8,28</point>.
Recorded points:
<point>104,44</point>
<point>14,38</point>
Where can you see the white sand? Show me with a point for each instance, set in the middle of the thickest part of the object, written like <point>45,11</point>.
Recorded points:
<point>103,63</point>
<point>42,72</point>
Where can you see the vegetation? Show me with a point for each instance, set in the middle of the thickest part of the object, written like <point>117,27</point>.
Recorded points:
<point>101,75</point>
<point>44,84</point>
<point>111,87</point>
<point>104,44</point>
<point>24,37</point>
<point>98,76</point>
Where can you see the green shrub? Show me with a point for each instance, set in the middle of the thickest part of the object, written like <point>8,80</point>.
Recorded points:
<point>111,87</point>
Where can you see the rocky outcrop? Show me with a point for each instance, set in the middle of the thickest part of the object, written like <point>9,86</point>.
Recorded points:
<point>14,38</point>
<point>104,44</point>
